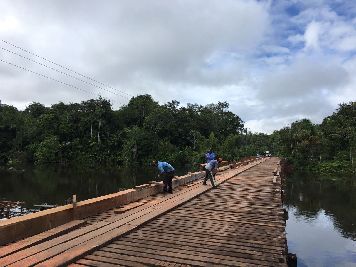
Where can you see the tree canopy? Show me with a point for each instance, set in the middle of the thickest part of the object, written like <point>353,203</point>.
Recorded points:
<point>92,133</point>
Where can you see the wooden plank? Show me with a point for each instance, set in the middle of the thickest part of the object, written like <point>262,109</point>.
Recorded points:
<point>196,259</point>
<point>192,237</point>
<point>276,241</point>
<point>204,252</point>
<point>111,260</point>
<point>129,206</point>
<point>75,251</point>
<point>252,244</point>
<point>77,265</point>
<point>68,246</point>
<point>86,232</point>
<point>94,239</point>
<point>149,257</point>
<point>210,243</point>
<point>141,260</point>
<point>278,237</point>
<point>42,237</point>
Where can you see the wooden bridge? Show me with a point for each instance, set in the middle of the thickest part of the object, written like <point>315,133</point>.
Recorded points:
<point>240,223</point>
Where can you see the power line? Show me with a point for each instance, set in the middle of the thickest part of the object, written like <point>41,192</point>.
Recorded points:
<point>61,72</point>
<point>64,67</point>
<point>47,77</point>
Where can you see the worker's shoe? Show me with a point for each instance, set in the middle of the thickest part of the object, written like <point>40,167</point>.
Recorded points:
<point>170,191</point>
<point>204,183</point>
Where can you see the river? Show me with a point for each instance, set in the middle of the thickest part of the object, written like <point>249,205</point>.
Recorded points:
<point>321,228</point>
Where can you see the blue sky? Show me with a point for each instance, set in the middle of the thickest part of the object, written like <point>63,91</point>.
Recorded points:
<point>273,61</point>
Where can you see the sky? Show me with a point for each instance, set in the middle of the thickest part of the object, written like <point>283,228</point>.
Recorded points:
<point>274,62</point>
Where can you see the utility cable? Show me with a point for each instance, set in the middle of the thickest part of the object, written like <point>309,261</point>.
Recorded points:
<point>48,77</point>
<point>64,67</point>
<point>61,72</point>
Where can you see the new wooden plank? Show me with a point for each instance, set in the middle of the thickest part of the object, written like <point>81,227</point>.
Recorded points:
<point>130,206</point>
<point>42,237</point>
<point>77,265</point>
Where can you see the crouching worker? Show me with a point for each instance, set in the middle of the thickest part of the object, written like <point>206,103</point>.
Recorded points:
<point>211,168</point>
<point>166,173</point>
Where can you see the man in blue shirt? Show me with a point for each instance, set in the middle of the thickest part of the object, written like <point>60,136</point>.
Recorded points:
<point>210,155</point>
<point>210,168</point>
<point>166,173</point>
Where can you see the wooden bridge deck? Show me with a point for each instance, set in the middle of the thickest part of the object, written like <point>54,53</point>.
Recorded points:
<point>240,223</point>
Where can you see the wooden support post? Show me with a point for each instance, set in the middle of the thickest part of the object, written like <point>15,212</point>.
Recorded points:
<point>285,215</point>
<point>74,201</point>
<point>292,260</point>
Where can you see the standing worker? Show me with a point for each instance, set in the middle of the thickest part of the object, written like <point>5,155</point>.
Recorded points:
<point>209,155</point>
<point>166,173</point>
<point>210,170</point>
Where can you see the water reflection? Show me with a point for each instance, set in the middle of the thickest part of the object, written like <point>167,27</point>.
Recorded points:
<point>321,228</point>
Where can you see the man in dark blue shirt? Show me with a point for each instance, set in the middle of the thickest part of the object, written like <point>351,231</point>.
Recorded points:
<point>210,155</point>
<point>166,173</point>
<point>210,168</point>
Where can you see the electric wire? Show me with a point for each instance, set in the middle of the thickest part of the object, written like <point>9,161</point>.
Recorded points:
<point>64,67</point>
<point>49,78</point>
<point>63,73</point>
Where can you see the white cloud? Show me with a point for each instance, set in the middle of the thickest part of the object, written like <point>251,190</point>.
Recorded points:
<point>9,24</point>
<point>311,35</point>
<point>303,77</point>
<point>271,66</point>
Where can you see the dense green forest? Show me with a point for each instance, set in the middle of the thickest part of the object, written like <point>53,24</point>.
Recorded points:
<point>328,148</point>
<point>91,133</point>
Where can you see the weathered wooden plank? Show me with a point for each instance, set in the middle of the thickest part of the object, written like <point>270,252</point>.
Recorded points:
<point>109,259</point>
<point>141,260</point>
<point>238,245</point>
<point>203,251</point>
<point>197,259</point>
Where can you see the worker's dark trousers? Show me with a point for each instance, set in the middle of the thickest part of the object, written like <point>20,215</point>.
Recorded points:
<point>209,175</point>
<point>167,182</point>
